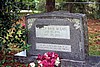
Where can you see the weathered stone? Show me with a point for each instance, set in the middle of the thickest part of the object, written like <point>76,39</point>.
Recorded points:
<point>63,33</point>
<point>71,63</point>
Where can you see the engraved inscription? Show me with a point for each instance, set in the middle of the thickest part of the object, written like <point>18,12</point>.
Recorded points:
<point>53,31</point>
<point>53,47</point>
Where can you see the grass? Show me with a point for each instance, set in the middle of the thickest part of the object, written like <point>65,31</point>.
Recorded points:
<point>94,43</point>
<point>94,50</point>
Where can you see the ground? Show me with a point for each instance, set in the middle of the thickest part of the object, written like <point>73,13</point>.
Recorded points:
<point>94,36</point>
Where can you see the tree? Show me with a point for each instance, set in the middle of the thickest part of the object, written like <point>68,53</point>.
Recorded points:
<point>70,6</point>
<point>50,5</point>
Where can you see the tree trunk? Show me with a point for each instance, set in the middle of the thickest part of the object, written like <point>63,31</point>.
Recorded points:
<point>70,6</point>
<point>50,5</point>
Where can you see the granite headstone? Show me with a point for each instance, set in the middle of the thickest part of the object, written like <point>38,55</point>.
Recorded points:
<point>60,32</point>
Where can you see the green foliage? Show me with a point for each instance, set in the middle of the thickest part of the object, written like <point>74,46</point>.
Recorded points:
<point>37,6</point>
<point>12,34</point>
<point>94,44</point>
<point>3,61</point>
<point>94,50</point>
<point>8,66</point>
<point>7,19</point>
<point>16,37</point>
<point>91,10</point>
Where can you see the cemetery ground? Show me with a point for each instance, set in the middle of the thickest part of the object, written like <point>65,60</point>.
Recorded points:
<point>94,36</point>
<point>94,45</point>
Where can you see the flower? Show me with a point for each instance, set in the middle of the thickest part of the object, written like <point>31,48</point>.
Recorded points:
<point>32,64</point>
<point>49,59</point>
<point>23,25</point>
<point>57,62</point>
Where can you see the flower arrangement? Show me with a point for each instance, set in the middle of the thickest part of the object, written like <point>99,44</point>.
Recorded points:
<point>49,59</point>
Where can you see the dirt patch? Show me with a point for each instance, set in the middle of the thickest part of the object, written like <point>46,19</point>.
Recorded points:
<point>94,31</point>
<point>93,25</point>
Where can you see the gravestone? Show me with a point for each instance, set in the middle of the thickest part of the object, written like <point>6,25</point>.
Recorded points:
<point>60,32</point>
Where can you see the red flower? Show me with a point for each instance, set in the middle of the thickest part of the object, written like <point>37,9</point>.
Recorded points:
<point>48,59</point>
<point>23,25</point>
<point>39,57</point>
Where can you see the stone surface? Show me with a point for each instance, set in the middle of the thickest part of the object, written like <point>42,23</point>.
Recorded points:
<point>45,34</point>
<point>93,61</point>
<point>71,63</point>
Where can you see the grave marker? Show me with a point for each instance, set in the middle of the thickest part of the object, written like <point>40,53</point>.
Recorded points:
<point>64,33</point>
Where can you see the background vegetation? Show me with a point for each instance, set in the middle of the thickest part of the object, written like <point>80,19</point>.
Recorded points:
<point>89,7</point>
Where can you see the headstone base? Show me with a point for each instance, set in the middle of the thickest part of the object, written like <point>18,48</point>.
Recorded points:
<point>24,60</point>
<point>93,61</point>
<point>73,63</point>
